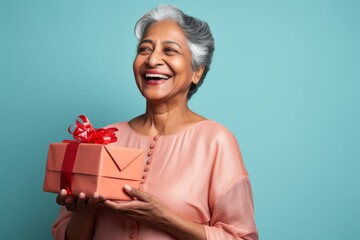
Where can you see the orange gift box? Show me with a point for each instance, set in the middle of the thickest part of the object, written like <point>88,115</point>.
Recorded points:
<point>97,168</point>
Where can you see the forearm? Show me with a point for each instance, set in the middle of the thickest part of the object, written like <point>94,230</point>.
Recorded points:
<point>181,228</point>
<point>80,226</point>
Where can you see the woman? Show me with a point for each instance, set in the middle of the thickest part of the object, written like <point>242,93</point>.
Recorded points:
<point>194,184</point>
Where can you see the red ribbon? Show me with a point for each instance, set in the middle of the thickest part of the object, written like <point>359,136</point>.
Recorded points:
<point>83,133</point>
<point>66,177</point>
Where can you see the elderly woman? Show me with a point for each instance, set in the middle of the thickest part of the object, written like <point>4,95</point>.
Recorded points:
<point>194,183</point>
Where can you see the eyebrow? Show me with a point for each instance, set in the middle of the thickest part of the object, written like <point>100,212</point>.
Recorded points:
<point>164,42</point>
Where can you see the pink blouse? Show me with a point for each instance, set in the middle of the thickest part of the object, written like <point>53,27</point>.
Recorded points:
<point>198,173</point>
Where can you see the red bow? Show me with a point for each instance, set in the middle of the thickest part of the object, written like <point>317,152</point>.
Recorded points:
<point>85,133</point>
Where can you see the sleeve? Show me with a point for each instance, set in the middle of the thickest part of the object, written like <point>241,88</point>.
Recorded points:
<point>230,195</point>
<point>59,226</point>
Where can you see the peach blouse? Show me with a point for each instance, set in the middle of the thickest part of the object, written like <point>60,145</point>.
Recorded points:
<point>198,173</point>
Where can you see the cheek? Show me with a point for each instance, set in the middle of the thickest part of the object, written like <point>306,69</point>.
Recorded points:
<point>136,65</point>
<point>180,66</point>
<point>136,70</point>
<point>185,69</point>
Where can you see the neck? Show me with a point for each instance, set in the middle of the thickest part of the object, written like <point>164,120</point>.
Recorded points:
<point>164,118</point>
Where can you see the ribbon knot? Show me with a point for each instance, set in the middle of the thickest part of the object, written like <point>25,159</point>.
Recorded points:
<point>85,133</point>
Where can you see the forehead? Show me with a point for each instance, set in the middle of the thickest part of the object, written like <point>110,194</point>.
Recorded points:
<point>165,30</point>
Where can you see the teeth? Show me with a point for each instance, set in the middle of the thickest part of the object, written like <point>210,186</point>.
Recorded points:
<point>156,75</point>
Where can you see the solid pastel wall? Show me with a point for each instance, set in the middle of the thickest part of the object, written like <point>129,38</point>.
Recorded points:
<point>284,80</point>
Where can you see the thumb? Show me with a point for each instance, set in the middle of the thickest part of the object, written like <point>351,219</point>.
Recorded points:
<point>135,193</point>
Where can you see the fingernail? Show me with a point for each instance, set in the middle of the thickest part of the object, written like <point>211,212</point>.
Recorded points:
<point>63,192</point>
<point>81,195</point>
<point>127,187</point>
<point>96,195</point>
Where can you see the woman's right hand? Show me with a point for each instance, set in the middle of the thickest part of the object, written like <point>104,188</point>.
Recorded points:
<point>81,224</point>
<point>80,204</point>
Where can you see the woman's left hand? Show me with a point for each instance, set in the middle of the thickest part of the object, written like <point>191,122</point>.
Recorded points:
<point>144,207</point>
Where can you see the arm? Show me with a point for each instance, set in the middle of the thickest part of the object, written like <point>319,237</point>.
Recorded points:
<point>233,213</point>
<point>148,208</point>
<point>181,228</point>
<point>78,220</point>
<point>80,226</point>
<point>230,193</point>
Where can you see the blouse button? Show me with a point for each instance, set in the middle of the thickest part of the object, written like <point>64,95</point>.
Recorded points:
<point>148,161</point>
<point>152,146</point>
<point>149,153</point>
<point>143,176</point>
<point>156,137</point>
<point>132,235</point>
<point>146,169</point>
<point>141,188</point>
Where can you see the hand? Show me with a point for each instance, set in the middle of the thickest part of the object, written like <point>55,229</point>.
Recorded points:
<point>81,203</point>
<point>144,207</point>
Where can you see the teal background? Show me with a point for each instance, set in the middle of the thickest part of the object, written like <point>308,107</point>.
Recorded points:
<point>284,80</point>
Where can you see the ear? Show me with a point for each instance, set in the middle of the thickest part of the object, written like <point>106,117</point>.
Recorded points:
<point>197,75</point>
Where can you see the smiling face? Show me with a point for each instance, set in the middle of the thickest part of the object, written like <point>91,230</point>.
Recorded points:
<point>162,67</point>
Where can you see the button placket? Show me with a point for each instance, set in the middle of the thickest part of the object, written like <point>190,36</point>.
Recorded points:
<point>148,161</point>
<point>133,230</point>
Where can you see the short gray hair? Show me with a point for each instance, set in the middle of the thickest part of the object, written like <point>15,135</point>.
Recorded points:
<point>200,39</point>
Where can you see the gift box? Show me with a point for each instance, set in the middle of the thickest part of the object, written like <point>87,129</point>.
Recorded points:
<point>89,168</point>
<point>88,165</point>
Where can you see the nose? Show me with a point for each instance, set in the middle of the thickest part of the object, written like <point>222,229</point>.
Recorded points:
<point>155,58</point>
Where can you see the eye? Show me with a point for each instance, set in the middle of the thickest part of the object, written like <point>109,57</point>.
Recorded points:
<point>170,51</point>
<point>144,50</point>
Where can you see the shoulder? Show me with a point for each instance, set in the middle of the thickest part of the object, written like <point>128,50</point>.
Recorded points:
<point>118,125</point>
<point>122,128</point>
<point>224,149</point>
<point>213,130</point>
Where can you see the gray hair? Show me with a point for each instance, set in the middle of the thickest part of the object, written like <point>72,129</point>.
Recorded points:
<point>199,36</point>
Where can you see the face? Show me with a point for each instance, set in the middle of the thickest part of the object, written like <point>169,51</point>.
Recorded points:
<point>162,67</point>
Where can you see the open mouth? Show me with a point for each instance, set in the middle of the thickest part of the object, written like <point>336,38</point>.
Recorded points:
<point>156,77</point>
